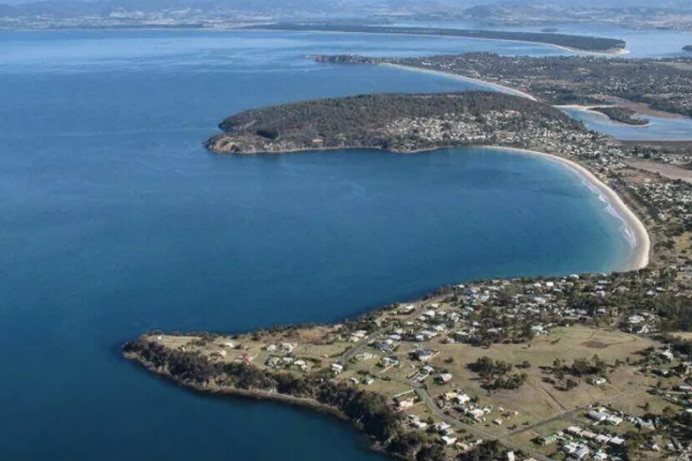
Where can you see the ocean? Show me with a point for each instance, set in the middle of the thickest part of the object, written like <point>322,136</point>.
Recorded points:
<point>114,221</point>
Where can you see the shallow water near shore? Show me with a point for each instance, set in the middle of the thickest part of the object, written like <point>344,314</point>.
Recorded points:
<point>671,129</point>
<point>115,221</point>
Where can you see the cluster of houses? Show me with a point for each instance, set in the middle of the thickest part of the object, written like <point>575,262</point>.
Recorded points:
<point>502,128</point>
<point>529,309</point>
<point>444,431</point>
<point>282,357</point>
<point>578,443</point>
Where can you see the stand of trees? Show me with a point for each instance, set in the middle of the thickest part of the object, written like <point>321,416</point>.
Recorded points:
<point>368,410</point>
<point>577,42</point>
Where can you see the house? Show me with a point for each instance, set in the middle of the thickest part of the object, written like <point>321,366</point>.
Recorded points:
<point>569,448</point>
<point>403,404</point>
<point>358,335</point>
<point>537,330</point>
<point>407,309</point>
<point>548,439</point>
<point>476,413</point>
<point>599,381</point>
<point>588,435</point>
<point>597,416</point>
<point>445,378</point>
<point>602,438</point>
<point>337,368</point>
<point>288,348</point>
<point>645,424</point>
<point>600,456</point>
<point>418,424</point>
<point>447,440</point>
<point>462,399</point>
<point>574,430</point>
<point>442,427</point>
<point>617,441</point>
<point>614,420</point>
<point>667,355</point>
<point>424,354</point>
<point>581,452</point>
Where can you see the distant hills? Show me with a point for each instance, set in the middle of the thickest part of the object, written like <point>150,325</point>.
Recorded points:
<point>672,14</point>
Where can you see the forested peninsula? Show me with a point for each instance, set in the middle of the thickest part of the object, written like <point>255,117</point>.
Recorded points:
<point>394,122</point>
<point>573,42</point>
<point>661,84</point>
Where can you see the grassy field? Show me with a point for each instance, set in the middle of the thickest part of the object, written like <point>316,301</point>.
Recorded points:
<point>537,400</point>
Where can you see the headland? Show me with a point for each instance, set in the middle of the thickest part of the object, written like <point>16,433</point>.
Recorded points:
<point>622,87</point>
<point>489,369</point>
<point>573,43</point>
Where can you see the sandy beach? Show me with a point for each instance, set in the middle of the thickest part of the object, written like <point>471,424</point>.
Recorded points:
<point>633,227</point>
<point>496,86</point>
<point>590,110</point>
<point>617,52</point>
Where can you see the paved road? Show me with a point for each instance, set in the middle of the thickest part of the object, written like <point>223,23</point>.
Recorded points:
<point>571,413</point>
<point>425,397</point>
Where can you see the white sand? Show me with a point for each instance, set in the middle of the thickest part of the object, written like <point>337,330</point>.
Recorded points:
<point>590,110</point>
<point>496,86</point>
<point>633,227</point>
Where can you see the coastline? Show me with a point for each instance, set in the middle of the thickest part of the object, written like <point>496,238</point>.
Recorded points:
<point>618,52</point>
<point>477,81</point>
<point>634,228</point>
<point>589,109</point>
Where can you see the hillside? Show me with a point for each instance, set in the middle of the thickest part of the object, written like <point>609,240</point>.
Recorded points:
<point>395,122</point>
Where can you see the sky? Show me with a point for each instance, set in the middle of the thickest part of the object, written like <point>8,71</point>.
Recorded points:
<point>461,3</point>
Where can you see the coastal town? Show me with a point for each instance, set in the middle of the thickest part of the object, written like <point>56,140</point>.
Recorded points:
<point>416,230</point>
<point>584,366</point>
<point>653,86</point>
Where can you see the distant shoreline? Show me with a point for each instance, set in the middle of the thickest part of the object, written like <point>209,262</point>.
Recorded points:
<point>477,81</point>
<point>611,52</point>
<point>590,110</point>
<point>508,90</point>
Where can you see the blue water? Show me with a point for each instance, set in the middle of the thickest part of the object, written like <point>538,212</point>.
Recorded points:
<point>645,43</point>
<point>672,129</point>
<point>114,220</point>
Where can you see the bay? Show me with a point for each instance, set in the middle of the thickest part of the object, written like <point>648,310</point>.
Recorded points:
<point>114,220</point>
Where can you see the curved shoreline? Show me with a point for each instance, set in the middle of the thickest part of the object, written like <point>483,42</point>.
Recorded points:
<point>617,52</point>
<point>589,110</point>
<point>496,86</point>
<point>634,228</point>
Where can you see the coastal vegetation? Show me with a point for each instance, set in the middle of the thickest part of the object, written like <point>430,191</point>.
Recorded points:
<point>662,84</point>
<point>584,365</point>
<point>621,114</point>
<point>395,122</point>
<point>576,42</point>
<point>409,376</point>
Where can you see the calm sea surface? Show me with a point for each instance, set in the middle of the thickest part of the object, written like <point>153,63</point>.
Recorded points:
<point>114,220</point>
